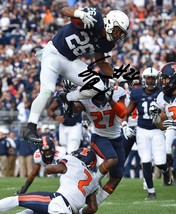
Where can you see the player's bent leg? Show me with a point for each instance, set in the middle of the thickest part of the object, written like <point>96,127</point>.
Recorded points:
<point>29,133</point>
<point>107,189</point>
<point>86,93</point>
<point>105,166</point>
<point>36,201</point>
<point>8,203</point>
<point>166,174</point>
<point>59,205</point>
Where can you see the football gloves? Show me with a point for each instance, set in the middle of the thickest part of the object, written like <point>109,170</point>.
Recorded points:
<point>68,85</point>
<point>86,18</point>
<point>169,124</point>
<point>154,112</point>
<point>20,191</point>
<point>127,131</point>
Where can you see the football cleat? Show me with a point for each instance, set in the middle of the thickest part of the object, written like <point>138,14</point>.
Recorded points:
<point>30,135</point>
<point>151,196</point>
<point>167,178</point>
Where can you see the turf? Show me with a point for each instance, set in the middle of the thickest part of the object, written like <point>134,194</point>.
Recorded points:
<point>127,199</point>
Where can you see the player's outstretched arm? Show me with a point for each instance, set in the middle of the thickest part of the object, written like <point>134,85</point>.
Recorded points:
<point>54,169</point>
<point>29,180</point>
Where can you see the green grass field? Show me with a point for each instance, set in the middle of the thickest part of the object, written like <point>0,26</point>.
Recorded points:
<point>127,199</point>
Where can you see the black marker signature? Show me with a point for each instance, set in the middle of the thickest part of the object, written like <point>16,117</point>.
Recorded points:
<point>89,73</point>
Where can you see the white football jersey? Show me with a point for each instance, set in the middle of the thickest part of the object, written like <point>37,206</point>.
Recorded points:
<point>59,153</point>
<point>78,180</point>
<point>168,108</point>
<point>106,123</point>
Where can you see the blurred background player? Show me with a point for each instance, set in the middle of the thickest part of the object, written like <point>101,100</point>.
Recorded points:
<point>4,147</point>
<point>98,36</point>
<point>70,129</point>
<point>72,193</point>
<point>150,140</point>
<point>166,103</point>
<point>174,159</point>
<point>47,153</point>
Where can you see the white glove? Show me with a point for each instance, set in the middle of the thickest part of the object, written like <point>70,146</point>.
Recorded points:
<point>86,18</point>
<point>68,85</point>
<point>170,124</point>
<point>127,131</point>
<point>154,112</point>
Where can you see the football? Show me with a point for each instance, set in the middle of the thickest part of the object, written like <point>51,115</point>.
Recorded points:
<point>77,22</point>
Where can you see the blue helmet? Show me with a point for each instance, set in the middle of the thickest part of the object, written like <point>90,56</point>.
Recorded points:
<point>86,155</point>
<point>168,78</point>
<point>47,149</point>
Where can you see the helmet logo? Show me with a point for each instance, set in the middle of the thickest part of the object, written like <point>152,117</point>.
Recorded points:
<point>174,67</point>
<point>84,152</point>
<point>44,144</point>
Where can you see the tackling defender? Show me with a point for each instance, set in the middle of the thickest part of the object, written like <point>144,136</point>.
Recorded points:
<point>77,187</point>
<point>105,111</point>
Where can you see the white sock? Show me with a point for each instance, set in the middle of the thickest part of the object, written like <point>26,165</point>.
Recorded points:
<point>152,190</point>
<point>27,211</point>
<point>99,175</point>
<point>38,105</point>
<point>8,203</point>
<point>101,196</point>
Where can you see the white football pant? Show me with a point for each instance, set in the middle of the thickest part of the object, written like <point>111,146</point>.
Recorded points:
<point>54,64</point>
<point>151,145</point>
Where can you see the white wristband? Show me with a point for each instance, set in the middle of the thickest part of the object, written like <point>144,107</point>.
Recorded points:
<point>124,123</point>
<point>79,14</point>
<point>157,119</point>
<point>81,211</point>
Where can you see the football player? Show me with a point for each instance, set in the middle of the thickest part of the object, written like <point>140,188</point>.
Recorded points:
<point>105,111</point>
<point>166,102</point>
<point>77,187</point>
<point>46,154</point>
<point>150,140</point>
<point>97,35</point>
<point>129,135</point>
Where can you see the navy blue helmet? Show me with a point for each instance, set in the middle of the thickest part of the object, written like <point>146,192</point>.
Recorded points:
<point>86,155</point>
<point>168,78</point>
<point>47,149</point>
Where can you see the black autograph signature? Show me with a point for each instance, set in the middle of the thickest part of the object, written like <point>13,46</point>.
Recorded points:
<point>122,71</point>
